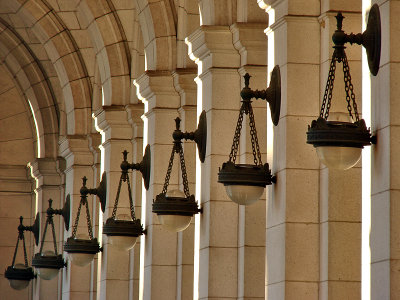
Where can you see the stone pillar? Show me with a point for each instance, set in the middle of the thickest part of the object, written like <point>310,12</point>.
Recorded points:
<point>16,199</point>
<point>340,191</point>
<point>112,123</point>
<point>218,89</point>
<point>158,265</point>
<point>385,209</point>
<point>79,283</point>
<point>135,112</point>
<point>186,87</point>
<point>293,243</point>
<point>249,39</point>
<point>48,175</point>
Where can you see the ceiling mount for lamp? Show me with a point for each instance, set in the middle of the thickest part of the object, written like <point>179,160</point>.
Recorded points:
<point>49,262</point>
<point>176,208</point>
<point>82,248</point>
<point>245,183</point>
<point>19,275</point>
<point>123,230</point>
<point>339,141</point>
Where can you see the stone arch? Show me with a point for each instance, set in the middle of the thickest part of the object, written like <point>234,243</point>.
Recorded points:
<point>158,25</point>
<point>33,83</point>
<point>220,12</point>
<point>66,58</point>
<point>112,51</point>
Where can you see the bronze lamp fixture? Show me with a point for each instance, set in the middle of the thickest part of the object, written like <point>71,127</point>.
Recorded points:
<point>123,230</point>
<point>339,140</point>
<point>82,248</point>
<point>175,208</point>
<point>245,183</point>
<point>19,275</point>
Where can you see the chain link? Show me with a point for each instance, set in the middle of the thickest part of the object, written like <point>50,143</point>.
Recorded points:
<point>89,223</point>
<point>43,237</point>
<point>130,198</point>
<point>25,256</point>
<point>168,175</point>
<point>54,236</point>
<point>114,212</point>
<point>77,219</point>
<point>15,252</point>
<point>326,102</point>
<point>349,89</point>
<point>184,174</point>
<point>236,138</point>
<point>254,138</point>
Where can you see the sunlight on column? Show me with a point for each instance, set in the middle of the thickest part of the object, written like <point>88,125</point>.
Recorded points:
<point>366,171</point>
<point>38,141</point>
<point>144,195</point>
<point>196,262</point>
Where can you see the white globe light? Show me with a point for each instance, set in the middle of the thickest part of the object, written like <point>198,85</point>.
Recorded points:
<point>175,223</point>
<point>123,243</point>
<point>81,259</point>
<point>18,284</point>
<point>339,158</point>
<point>47,273</point>
<point>244,194</point>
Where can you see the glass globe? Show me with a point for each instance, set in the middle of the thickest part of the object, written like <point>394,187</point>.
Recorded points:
<point>175,223</point>
<point>339,158</point>
<point>81,259</point>
<point>123,243</point>
<point>244,194</point>
<point>18,284</point>
<point>47,273</point>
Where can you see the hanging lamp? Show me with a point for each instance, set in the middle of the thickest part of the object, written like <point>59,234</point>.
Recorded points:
<point>245,183</point>
<point>176,208</point>
<point>123,230</point>
<point>83,248</point>
<point>47,263</point>
<point>339,141</point>
<point>19,274</point>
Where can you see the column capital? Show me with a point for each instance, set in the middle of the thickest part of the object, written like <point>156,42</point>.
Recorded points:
<point>156,89</point>
<point>46,171</point>
<point>213,47</point>
<point>251,42</point>
<point>185,85</point>
<point>76,150</point>
<point>112,123</point>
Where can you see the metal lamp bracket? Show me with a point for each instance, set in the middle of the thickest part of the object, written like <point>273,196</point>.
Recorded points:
<point>100,191</point>
<point>272,94</point>
<point>144,166</point>
<point>65,212</point>
<point>199,136</point>
<point>34,228</point>
<point>370,38</point>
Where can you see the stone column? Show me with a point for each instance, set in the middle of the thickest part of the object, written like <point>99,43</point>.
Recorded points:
<point>186,87</point>
<point>293,243</point>
<point>158,265</point>
<point>48,176</point>
<point>249,39</point>
<point>16,199</point>
<point>79,283</point>
<point>112,123</point>
<point>385,209</point>
<point>135,112</point>
<point>218,89</point>
<point>340,191</point>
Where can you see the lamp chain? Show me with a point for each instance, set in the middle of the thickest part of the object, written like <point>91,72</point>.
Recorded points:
<point>184,174</point>
<point>326,102</point>
<point>25,256</point>
<point>15,252</point>
<point>254,138</point>
<point>44,235</point>
<point>248,109</point>
<point>236,138</point>
<point>349,88</point>
<point>130,198</point>
<point>89,224</point>
<point>49,221</point>
<point>168,175</point>
<point>114,212</point>
<point>54,237</point>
